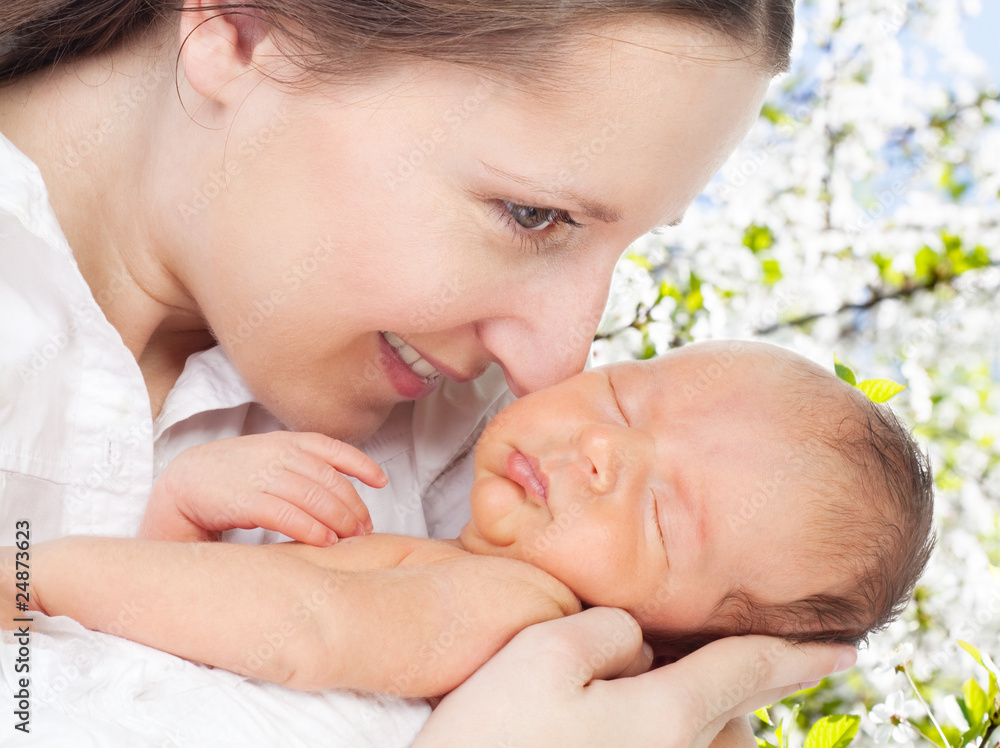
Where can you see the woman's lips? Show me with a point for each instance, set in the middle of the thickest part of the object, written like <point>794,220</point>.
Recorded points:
<point>525,472</point>
<point>404,379</point>
<point>420,366</point>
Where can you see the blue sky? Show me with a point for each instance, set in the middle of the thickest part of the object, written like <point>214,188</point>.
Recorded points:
<point>983,36</point>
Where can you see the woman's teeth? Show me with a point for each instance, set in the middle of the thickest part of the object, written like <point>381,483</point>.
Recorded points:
<point>417,364</point>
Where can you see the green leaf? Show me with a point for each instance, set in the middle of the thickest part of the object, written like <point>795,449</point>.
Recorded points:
<point>775,115</point>
<point>964,261</point>
<point>974,651</point>
<point>638,259</point>
<point>763,716</point>
<point>955,187</point>
<point>885,270</point>
<point>666,290</point>
<point>987,665</point>
<point>951,242</point>
<point>970,736</point>
<point>844,372</point>
<point>781,734</point>
<point>926,263</point>
<point>975,704</point>
<point>694,301</point>
<point>835,731</point>
<point>880,390</point>
<point>952,734</point>
<point>758,238</point>
<point>772,272</point>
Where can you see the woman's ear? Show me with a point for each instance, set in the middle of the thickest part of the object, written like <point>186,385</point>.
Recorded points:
<point>219,46</point>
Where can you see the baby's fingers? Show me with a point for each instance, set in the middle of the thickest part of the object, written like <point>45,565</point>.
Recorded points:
<point>333,503</point>
<point>345,458</point>
<point>275,513</point>
<point>339,488</point>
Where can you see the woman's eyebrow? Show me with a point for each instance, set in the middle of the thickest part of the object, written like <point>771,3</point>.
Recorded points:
<point>591,208</point>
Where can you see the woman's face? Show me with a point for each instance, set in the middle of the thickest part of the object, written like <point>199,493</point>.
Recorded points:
<point>373,238</point>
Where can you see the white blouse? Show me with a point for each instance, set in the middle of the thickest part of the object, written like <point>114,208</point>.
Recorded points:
<point>79,450</point>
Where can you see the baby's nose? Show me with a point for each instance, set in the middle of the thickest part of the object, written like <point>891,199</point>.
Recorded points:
<point>603,452</point>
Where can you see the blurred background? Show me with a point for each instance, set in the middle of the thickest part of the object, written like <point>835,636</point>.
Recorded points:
<point>861,219</point>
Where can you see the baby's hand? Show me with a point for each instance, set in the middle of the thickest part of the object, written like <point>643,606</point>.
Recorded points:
<point>292,483</point>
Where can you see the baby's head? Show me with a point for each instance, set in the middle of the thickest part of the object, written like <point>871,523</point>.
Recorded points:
<point>723,488</point>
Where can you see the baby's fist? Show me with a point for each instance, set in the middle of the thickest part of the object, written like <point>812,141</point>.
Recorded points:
<point>292,483</point>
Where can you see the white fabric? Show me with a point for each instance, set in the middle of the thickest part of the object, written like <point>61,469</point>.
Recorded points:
<point>79,450</point>
<point>92,690</point>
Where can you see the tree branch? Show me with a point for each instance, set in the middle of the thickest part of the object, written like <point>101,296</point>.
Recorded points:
<point>903,292</point>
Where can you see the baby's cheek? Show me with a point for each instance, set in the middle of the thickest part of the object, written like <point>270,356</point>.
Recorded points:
<point>687,619</point>
<point>495,505</point>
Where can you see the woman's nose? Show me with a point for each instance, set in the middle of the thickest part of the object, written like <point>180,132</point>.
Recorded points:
<point>547,336</point>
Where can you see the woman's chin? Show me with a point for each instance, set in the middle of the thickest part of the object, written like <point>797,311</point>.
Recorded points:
<point>352,423</point>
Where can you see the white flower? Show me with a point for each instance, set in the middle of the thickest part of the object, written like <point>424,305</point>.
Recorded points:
<point>893,717</point>
<point>891,660</point>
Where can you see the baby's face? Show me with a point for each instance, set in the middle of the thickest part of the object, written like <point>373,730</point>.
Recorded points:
<point>659,487</point>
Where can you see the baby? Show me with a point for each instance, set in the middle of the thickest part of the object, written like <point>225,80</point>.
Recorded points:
<point>723,488</point>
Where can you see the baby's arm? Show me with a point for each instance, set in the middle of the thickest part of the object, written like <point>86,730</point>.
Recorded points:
<point>309,618</point>
<point>289,482</point>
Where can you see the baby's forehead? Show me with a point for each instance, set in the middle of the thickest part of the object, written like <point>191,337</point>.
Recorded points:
<point>695,371</point>
<point>727,367</point>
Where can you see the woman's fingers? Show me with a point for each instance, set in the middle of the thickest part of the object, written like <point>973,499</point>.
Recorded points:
<point>736,675</point>
<point>606,642</point>
<point>547,687</point>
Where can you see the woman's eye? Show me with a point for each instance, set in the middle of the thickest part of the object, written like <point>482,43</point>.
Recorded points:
<point>532,218</point>
<point>537,227</point>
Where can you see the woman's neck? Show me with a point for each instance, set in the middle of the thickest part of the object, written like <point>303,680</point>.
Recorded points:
<point>91,127</point>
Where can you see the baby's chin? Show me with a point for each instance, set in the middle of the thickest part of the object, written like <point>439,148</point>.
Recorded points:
<point>473,541</point>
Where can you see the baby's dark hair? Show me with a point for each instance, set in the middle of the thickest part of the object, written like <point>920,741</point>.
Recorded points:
<point>876,490</point>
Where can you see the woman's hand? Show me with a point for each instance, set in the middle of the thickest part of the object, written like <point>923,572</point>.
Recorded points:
<point>582,681</point>
<point>292,483</point>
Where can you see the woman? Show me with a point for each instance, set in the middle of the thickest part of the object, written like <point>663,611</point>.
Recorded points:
<point>356,201</point>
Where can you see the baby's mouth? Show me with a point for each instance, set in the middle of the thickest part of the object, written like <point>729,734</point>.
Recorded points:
<point>523,471</point>
<point>418,365</point>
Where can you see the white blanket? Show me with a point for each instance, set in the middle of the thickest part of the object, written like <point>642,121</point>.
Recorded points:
<point>94,690</point>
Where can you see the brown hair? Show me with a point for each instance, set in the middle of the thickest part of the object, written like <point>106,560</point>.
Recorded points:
<point>878,501</point>
<point>343,38</point>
